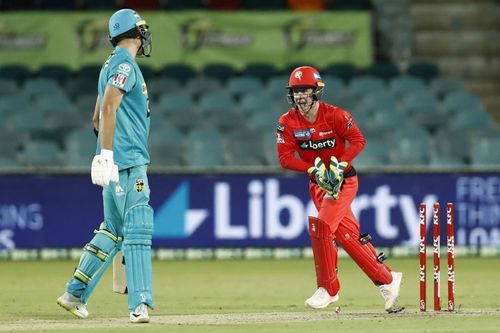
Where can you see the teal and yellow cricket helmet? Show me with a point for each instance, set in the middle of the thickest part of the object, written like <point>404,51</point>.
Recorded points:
<point>127,23</point>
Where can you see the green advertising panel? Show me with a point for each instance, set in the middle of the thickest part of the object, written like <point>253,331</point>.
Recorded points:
<point>193,37</point>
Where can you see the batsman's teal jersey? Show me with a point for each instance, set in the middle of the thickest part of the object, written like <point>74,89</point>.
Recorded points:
<point>130,143</point>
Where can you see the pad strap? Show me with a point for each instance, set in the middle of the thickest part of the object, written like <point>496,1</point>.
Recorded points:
<point>96,251</point>
<point>95,256</point>
<point>81,276</point>
<point>364,255</point>
<point>102,230</point>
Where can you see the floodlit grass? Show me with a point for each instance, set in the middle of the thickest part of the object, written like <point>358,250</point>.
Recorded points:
<point>250,296</point>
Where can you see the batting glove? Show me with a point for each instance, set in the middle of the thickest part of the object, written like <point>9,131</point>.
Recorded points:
<point>104,169</point>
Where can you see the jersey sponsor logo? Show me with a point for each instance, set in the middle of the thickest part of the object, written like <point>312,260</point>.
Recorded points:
<point>139,185</point>
<point>106,64</point>
<point>125,68</point>
<point>279,138</point>
<point>119,191</point>
<point>302,134</point>
<point>325,133</point>
<point>280,128</point>
<point>349,121</point>
<point>119,80</point>
<point>318,144</point>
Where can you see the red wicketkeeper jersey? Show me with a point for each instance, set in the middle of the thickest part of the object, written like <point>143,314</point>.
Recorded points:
<point>326,137</point>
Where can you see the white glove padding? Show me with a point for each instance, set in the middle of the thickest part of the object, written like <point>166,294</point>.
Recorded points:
<point>104,169</point>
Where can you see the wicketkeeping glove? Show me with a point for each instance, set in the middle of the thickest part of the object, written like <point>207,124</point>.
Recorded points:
<point>337,175</point>
<point>322,176</point>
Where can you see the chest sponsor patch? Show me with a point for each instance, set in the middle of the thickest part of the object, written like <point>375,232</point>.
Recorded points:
<point>302,134</point>
<point>323,133</point>
<point>317,144</point>
<point>280,128</point>
<point>119,80</point>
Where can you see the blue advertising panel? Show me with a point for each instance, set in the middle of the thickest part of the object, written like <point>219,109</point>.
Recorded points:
<point>207,211</point>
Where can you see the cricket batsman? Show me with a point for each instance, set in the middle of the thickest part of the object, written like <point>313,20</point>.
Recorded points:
<point>319,133</point>
<point>121,121</point>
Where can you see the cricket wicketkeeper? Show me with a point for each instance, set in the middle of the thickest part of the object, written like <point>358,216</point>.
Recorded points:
<point>318,133</point>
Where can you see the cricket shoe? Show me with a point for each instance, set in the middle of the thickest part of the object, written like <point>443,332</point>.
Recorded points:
<point>140,314</point>
<point>321,299</point>
<point>390,293</point>
<point>73,304</point>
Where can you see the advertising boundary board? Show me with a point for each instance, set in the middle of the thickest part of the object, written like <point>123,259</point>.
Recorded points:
<point>246,210</point>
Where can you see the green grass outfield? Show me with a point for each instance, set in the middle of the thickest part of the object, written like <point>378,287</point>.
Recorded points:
<point>250,296</point>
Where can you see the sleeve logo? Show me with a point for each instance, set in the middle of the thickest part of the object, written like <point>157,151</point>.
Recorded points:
<point>119,80</point>
<point>279,138</point>
<point>349,121</point>
<point>125,68</point>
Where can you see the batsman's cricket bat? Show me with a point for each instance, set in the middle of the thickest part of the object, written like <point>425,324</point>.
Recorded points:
<point>119,278</point>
